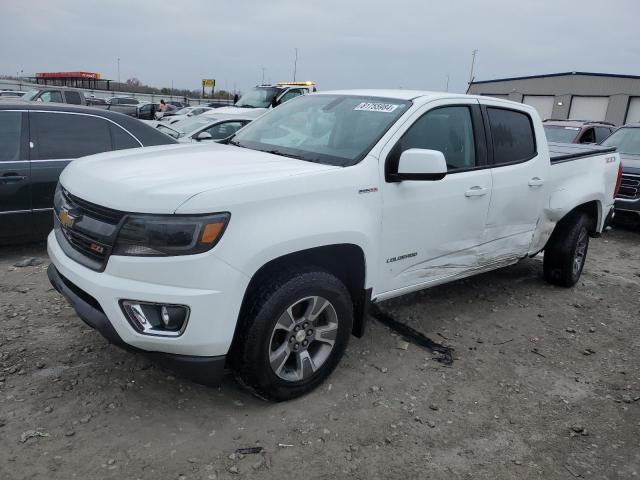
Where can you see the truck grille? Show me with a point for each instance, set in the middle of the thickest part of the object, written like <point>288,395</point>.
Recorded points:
<point>92,210</point>
<point>90,237</point>
<point>629,187</point>
<point>86,245</point>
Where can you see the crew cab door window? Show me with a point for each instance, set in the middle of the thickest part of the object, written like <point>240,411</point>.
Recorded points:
<point>51,96</point>
<point>446,129</point>
<point>512,136</point>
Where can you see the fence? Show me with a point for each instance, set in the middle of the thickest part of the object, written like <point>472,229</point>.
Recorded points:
<point>149,97</point>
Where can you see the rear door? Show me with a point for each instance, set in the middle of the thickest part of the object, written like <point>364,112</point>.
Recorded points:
<point>58,138</point>
<point>519,174</point>
<point>15,196</point>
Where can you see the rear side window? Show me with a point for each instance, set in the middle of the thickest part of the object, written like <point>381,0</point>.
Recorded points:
<point>588,136</point>
<point>64,135</point>
<point>73,98</point>
<point>512,136</point>
<point>10,130</point>
<point>602,133</point>
<point>122,139</point>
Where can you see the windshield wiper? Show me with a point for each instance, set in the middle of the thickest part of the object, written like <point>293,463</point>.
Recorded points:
<point>243,106</point>
<point>230,141</point>
<point>282,154</point>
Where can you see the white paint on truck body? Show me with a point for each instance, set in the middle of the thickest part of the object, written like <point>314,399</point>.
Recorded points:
<point>413,234</point>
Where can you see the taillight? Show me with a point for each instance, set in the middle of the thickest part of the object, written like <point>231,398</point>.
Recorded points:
<point>618,180</point>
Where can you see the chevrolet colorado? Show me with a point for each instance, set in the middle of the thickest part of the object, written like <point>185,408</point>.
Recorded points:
<point>263,254</point>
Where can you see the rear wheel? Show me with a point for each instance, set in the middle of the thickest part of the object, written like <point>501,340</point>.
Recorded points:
<point>294,334</point>
<point>566,251</point>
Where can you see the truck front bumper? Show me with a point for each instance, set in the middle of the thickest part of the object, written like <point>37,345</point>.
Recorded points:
<point>628,206</point>
<point>205,370</point>
<point>210,288</point>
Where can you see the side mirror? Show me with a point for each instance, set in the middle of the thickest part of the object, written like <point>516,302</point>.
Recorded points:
<point>203,136</point>
<point>420,164</point>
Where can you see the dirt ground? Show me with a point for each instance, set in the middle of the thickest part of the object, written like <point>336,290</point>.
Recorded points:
<point>545,384</point>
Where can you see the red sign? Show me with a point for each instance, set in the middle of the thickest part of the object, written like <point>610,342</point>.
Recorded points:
<point>90,75</point>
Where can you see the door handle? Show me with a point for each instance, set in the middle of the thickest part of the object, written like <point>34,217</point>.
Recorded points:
<point>476,191</point>
<point>536,182</point>
<point>11,178</point>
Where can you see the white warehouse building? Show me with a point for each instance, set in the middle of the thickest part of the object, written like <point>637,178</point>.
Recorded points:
<point>571,95</point>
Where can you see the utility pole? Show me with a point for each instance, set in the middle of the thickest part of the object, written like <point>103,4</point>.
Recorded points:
<point>263,69</point>
<point>447,83</point>
<point>118,71</point>
<point>473,63</point>
<point>295,65</point>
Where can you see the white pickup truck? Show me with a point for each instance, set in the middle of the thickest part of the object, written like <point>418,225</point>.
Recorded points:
<point>263,254</point>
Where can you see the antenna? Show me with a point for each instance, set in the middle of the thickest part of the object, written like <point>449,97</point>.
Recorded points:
<point>473,63</point>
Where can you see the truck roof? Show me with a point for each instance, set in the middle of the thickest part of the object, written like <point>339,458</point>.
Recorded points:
<point>400,94</point>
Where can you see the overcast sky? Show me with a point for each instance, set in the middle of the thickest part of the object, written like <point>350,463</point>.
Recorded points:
<point>341,43</point>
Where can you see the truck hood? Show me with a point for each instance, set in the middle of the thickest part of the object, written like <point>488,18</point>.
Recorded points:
<point>160,179</point>
<point>630,163</point>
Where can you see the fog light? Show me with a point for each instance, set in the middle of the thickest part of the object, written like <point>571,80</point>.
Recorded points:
<point>156,318</point>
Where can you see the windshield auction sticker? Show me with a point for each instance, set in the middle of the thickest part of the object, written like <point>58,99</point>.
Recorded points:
<point>376,107</point>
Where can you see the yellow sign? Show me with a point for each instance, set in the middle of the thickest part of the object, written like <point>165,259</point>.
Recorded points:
<point>209,82</point>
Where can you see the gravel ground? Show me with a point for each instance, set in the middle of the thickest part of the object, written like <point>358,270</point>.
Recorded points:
<point>545,384</point>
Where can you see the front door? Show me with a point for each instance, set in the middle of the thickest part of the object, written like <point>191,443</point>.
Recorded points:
<point>432,229</point>
<point>15,187</point>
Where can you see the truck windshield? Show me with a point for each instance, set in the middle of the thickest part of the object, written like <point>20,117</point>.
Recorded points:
<point>560,134</point>
<point>258,97</point>
<point>627,140</point>
<point>331,129</point>
<point>31,94</point>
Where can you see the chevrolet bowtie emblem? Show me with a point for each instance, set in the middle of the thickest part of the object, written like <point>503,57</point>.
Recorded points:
<point>66,218</point>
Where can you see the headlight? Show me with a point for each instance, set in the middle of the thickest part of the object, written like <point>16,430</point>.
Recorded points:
<point>159,236</point>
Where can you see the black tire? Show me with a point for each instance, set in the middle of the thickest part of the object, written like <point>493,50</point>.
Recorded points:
<point>254,342</point>
<point>566,251</point>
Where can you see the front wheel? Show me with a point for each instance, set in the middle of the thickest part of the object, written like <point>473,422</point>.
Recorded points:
<point>566,250</point>
<point>294,334</point>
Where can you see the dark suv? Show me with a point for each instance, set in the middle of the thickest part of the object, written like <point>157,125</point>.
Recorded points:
<point>37,140</point>
<point>627,140</point>
<point>577,131</point>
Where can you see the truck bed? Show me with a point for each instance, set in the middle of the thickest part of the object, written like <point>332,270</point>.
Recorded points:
<point>564,152</point>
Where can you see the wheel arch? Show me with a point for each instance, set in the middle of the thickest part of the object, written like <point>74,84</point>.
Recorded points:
<point>346,261</point>
<point>593,210</point>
